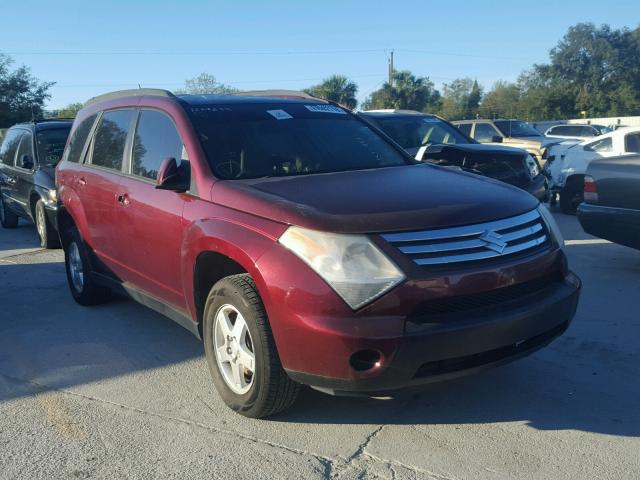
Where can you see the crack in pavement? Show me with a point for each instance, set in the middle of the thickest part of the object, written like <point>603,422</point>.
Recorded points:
<point>326,461</point>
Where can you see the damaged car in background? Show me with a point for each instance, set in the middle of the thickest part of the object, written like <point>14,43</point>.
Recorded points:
<point>432,139</point>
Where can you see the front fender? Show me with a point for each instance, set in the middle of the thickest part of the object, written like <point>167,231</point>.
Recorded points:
<point>241,243</point>
<point>69,201</point>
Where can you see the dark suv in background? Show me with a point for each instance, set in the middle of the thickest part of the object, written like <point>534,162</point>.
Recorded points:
<point>28,157</point>
<point>433,139</point>
<point>303,246</point>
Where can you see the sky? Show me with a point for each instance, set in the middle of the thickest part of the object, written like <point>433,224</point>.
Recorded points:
<point>90,47</point>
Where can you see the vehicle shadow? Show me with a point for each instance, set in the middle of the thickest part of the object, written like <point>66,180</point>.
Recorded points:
<point>47,341</point>
<point>18,240</point>
<point>587,380</point>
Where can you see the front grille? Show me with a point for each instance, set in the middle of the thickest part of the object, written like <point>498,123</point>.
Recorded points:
<point>524,233</point>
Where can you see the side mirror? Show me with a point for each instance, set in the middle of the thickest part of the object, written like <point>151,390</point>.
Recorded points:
<point>170,178</point>
<point>497,139</point>
<point>26,162</point>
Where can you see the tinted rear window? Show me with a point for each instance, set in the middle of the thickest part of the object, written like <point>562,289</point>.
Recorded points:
<point>50,145</point>
<point>272,140</point>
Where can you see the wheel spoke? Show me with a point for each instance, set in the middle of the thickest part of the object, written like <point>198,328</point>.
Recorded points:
<point>225,322</point>
<point>246,358</point>
<point>239,328</point>
<point>223,354</point>
<point>236,374</point>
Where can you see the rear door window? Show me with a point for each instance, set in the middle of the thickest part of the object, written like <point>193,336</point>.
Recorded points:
<point>465,128</point>
<point>485,132</point>
<point>155,141</point>
<point>111,138</point>
<point>10,146</point>
<point>78,139</point>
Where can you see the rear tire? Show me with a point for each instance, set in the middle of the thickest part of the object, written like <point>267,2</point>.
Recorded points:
<point>8,219</point>
<point>84,289</point>
<point>571,196</point>
<point>269,389</point>
<point>47,234</point>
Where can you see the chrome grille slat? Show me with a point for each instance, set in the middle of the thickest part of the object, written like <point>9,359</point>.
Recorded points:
<point>467,244</point>
<point>468,230</point>
<point>472,242</point>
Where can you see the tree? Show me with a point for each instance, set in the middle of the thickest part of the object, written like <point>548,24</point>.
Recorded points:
<point>205,84</point>
<point>336,88</point>
<point>460,99</point>
<point>407,92</point>
<point>70,111</point>
<point>503,100</point>
<point>22,96</point>
<point>596,69</point>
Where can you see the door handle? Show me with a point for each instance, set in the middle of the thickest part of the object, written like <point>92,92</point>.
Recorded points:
<point>11,180</point>
<point>82,181</point>
<point>123,198</point>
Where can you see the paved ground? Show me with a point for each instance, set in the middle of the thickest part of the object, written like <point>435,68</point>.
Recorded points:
<point>118,391</point>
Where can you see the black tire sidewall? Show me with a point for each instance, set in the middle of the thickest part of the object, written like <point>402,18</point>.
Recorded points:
<point>224,293</point>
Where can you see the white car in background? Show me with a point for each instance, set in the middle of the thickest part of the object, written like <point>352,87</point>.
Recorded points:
<point>577,131</point>
<point>567,162</point>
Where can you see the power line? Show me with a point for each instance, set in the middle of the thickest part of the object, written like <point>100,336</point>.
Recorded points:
<point>196,53</point>
<point>169,84</point>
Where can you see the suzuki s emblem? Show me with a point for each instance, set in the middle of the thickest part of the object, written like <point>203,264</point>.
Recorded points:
<point>493,241</point>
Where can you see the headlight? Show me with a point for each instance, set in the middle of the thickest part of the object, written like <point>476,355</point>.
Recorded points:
<point>351,264</point>
<point>53,196</point>
<point>551,224</point>
<point>534,170</point>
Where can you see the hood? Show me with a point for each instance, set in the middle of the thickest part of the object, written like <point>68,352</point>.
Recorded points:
<point>410,197</point>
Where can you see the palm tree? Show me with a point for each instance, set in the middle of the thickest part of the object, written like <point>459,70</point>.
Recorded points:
<point>336,88</point>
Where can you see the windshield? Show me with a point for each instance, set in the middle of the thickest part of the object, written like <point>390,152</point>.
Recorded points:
<point>417,131</point>
<point>516,128</point>
<point>285,139</point>
<point>50,144</point>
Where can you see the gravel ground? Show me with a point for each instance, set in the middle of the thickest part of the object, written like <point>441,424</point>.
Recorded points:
<point>118,391</point>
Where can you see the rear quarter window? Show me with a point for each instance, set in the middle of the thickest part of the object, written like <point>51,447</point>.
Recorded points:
<point>9,146</point>
<point>79,139</point>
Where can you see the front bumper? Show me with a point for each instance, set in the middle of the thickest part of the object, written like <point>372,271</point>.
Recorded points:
<point>457,345</point>
<point>619,225</point>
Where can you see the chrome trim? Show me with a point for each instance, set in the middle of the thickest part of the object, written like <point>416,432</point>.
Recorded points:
<point>476,229</point>
<point>472,242</point>
<point>482,255</point>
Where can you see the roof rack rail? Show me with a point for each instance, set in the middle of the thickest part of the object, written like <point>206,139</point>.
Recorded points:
<point>277,94</point>
<point>134,92</point>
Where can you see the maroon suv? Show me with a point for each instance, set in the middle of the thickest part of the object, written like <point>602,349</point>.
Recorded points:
<point>304,246</point>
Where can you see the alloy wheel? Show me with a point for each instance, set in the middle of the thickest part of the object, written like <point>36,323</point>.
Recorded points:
<point>41,224</point>
<point>234,351</point>
<point>75,267</point>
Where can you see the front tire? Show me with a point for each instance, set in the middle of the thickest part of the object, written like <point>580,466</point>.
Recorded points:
<point>46,232</point>
<point>241,352</point>
<point>8,219</point>
<point>83,287</point>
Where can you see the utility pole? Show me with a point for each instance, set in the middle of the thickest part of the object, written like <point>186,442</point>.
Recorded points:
<point>391,68</point>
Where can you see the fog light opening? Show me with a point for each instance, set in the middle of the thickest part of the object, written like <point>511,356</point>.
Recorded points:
<point>365,360</point>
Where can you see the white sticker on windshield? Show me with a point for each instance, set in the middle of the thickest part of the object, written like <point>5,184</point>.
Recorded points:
<point>279,114</point>
<point>325,109</point>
